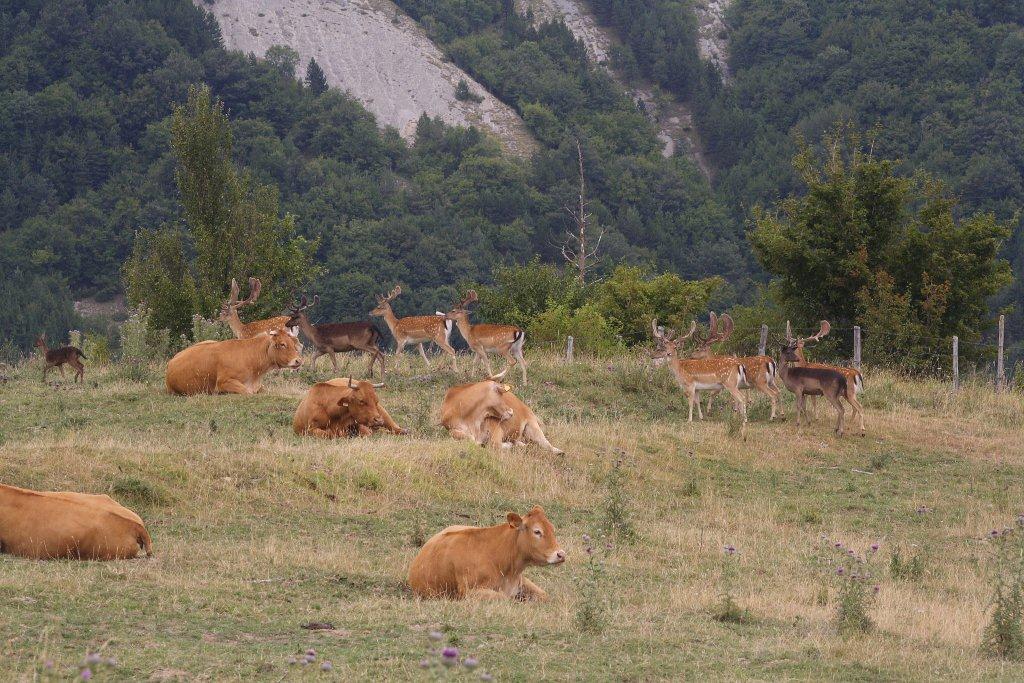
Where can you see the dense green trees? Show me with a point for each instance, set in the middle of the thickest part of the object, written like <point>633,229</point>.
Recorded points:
<point>863,245</point>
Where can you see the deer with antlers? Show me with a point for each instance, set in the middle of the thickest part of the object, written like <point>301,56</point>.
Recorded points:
<point>417,329</point>
<point>331,338</point>
<point>229,314</point>
<point>853,375</point>
<point>817,381</point>
<point>507,340</point>
<point>714,373</point>
<point>760,372</point>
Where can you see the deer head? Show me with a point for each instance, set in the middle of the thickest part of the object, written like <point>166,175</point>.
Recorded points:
<point>797,344</point>
<point>715,334</point>
<point>461,309</point>
<point>667,342</point>
<point>384,302</point>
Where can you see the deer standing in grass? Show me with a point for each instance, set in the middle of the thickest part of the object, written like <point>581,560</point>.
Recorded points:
<point>417,329</point>
<point>58,357</point>
<point>806,381</point>
<point>331,338</point>
<point>853,375</point>
<point>507,340</point>
<point>761,372</point>
<point>229,314</point>
<point>715,373</point>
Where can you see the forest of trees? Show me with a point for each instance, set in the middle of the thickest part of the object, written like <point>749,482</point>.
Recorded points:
<point>942,81</point>
<point>95,174</point>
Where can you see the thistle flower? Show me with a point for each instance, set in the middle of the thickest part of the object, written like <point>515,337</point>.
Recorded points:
<point>586,538</point>
<point>874,547</point>
<point>326,666</point>
<point>450,656</point>
<point>112,662</point>
<point>86,674</point>
<point>838,545</point>
<point>840,571</point>
<point>292,661</point>
<point>486,677</point>
<point>92,659</point>
<point>48,664</point>
<point>470,663</point>
<point>994,533</point>
<point>729,550</point>
<point>876,589</point>
<point>311,652</point>
<point>435,636</point>
<point>424,663</point>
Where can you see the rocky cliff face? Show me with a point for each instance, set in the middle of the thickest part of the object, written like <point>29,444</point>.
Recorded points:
<point>376,53</point>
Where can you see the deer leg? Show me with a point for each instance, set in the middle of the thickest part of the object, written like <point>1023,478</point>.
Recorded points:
<point>46,368</point>
<point>522,363</point>
<point>61,368</point>
<point>776,396</point>
<point>741,404</point>
<point>80,371</point>
<point>858,409</point>
<point>691,394</point>
<point>800,407</point>
<point>712,395</point>
<point>423,353</point>
<point>840,412</point>
<point>447,348</point>
<point>482,355</point>
<point>334,360</point>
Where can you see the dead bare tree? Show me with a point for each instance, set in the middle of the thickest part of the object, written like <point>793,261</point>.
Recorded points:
<point>577,248</point>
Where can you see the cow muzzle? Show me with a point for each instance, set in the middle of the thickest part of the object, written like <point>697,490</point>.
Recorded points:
<point>557,557</point>
<point>295,364</point>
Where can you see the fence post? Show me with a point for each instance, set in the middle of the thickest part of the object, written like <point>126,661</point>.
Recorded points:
<point>762,345</point>
<point>789,331</point>
<point>1000,370</point>
<point>568,349</point>
<point>956,363</point>
<point>856,346</point>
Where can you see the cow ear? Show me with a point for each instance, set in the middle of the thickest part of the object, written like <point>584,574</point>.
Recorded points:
<point>537,510</point>
<point>500,388</point>
<point>514,520</point>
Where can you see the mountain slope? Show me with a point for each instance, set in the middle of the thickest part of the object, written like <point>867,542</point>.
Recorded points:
<point>377,54</point>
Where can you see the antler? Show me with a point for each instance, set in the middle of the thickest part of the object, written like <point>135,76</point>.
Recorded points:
<point>255,286</point>
<point>303,304</point>
<point>823,330</point>
<point>391,295</point>
<point>233,297</point>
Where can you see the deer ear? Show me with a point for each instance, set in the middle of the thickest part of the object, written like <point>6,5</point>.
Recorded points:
<point>514,520</point>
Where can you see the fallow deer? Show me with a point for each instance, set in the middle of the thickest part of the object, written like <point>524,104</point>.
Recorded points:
<point>417,329</point>
<point>694,375</point>
<point>229,314</point>
<point>507,340</point>
<point>810,381</point>
<point>853,375</point>
<point>331,338</point>
<point>58,357</point>
<point>761,371</point>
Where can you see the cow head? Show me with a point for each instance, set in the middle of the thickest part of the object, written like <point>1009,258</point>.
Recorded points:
<point>535,539</point>
<point>493,405</point>
<point>285,350</point>
<point>361,403</point>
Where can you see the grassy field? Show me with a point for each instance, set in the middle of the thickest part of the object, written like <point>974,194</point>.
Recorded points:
<point>258,532</point>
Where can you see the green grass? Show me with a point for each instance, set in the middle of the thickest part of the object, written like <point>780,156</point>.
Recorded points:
<point>257,531</point>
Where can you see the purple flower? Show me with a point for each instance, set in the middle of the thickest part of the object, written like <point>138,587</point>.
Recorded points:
<point>424,663</point>
<point>450,656</point>
<point>86,674</point>
<point>326,666</point>
<point>470,663</point>
<point>839,545</point>
<point>292,661</point>
<point>436,636</point>
<point>586,538</point>
<point>486,677</point>
<point>730,550</point>
<point>994,533</point>
<point>311,652</point>
<point>304,661</point>
<point>850,552</point>
<point>111,662</point>
<point>92,659</point>
<point>48,664</point>
<point>877,588</point>
<point>1020,520</point>
<point>874,547</point>
<point>839,571</point>
<point>590,551</point>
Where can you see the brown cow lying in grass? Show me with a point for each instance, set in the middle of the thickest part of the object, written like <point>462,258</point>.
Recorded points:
<point>342,407</point>
<point>486,562</point>
<point>46,525</point>
<point>234,366</point>
<point>489,413</point>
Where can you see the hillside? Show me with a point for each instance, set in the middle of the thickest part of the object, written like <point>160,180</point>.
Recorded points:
<point>375,53</point>
<point>258,532</point>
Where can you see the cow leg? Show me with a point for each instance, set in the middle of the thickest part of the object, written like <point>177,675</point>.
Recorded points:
<point>233,386</point>
<point>536,434</point>
<point>528,590</point>
<point>423,353</point>
<point>485,594</point>
<point>389,423</point>
<point>364,430</point>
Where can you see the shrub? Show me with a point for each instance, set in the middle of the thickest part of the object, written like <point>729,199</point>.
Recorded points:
<point>96,348</point>
<point>1004,635</point>
<point>855,592</point>
<point>204,330</point>
<point>728,609</point>
<point>592,610</point>
<point>906,567</point>
<point>139,342</point>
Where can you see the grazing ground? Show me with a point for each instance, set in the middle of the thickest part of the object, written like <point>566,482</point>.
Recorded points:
<point>258,532</point>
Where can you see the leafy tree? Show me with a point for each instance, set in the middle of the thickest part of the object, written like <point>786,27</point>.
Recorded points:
<point>316,81</point>
<point>282,58</point>
<point>865,245</point>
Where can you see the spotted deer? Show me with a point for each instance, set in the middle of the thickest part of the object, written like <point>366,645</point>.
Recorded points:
<point>715,373</point>
<point>417,329</point>
<point>806,381</point>
<point>507,340</point>
<point>229,314</point>
<point>761,372</point>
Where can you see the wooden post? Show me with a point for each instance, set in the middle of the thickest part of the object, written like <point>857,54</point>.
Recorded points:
<point>856,346</point>
<point>1000,370</point>
<point>763,343</point>
<point>789,330</point>
<point>568,349</point>
<point>956,363</point>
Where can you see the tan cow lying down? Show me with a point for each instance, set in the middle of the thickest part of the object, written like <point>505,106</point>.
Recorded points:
<point>46,525</point>
<point>342,407</point>
<point>486,562</point>
<point>489,413</point>
<point>234,366</point>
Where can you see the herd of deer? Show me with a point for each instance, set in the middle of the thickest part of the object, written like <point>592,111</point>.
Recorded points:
<point>698,370</point>
<point>701,370</point>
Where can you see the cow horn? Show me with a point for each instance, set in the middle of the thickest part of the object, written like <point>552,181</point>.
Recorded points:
<point>350,385</point>
<point>379,386</point>
<point>499,375</point>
